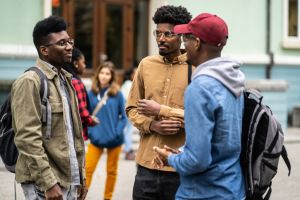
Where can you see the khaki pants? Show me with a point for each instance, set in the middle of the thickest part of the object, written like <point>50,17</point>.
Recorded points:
<point>92,157</point>
<point>32,192</point>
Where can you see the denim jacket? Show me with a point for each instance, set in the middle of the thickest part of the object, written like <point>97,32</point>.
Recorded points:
<point>209,165</point>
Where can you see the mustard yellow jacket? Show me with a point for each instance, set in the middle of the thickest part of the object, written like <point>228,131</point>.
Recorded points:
<point>44,161</point>
<point>164,82</point>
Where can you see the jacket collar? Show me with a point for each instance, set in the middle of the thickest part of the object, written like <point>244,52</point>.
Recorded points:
<point>178,60</point>
<point>49,70</point>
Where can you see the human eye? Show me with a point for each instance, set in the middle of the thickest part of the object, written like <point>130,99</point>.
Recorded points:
<point>62,43</point>
<point>169,34</point>
<point>158,33</point>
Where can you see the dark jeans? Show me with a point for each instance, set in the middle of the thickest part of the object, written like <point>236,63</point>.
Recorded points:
<point>154,184</point>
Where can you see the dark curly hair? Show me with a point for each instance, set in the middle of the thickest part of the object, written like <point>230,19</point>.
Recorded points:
<point>172,15</point>
<point>43,28</point>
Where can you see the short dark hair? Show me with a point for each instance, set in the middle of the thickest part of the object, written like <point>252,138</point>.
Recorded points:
<point>43,28</point>
<point>172,15</point>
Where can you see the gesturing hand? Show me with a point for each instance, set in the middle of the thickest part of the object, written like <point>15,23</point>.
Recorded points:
<point>161,159</point>
<point>165,127</point>
<point>148,107</point>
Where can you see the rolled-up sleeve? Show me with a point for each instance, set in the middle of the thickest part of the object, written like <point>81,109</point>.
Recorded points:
<point>26,110</point>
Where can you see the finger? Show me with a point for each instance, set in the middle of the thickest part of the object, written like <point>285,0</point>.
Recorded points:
<point>159,151</point>
<point>84,194</point>
<point>171,149</point>
<point>170,123</point>
<point>159,162</point>
<point>170,129</point>
<point>156,163</point>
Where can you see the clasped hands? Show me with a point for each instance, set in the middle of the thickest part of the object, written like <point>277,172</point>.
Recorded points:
<point>163,127</point>
<point>162,154</point>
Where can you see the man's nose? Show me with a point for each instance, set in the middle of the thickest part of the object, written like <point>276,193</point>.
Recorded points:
<point>69,46</point>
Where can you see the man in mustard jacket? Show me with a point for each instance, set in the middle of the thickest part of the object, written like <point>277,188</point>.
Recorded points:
<point>49,167</point>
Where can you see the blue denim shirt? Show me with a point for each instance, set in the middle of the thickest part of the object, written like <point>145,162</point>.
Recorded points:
<point>209,165</point>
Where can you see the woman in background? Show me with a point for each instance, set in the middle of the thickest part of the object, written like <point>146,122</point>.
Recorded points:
<point>109,133</point>
<point>76,68</point>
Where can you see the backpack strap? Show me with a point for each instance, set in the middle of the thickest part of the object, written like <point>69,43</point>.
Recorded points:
<point>189,73</point>
<point>286,159</point>
<point>44,94</point>
<point>257,114</point>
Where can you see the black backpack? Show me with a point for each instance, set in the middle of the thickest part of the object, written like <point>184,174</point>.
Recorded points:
<point>262,146</point>
<point>8,150</point>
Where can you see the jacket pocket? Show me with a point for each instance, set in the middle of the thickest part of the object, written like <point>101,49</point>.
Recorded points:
<point>57,120</point>
<point>177,99</point>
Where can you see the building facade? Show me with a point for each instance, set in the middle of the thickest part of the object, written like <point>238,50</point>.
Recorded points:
<point>263,34</point>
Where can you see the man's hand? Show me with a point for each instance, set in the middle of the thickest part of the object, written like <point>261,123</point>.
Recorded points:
<point>95,120</point>
<point>161,159</point>
<point>54,193</point>
<point>165,127</point>
<point>148,107</point>
<point>82,191</point>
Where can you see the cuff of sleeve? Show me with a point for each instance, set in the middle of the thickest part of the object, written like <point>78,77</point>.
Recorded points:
<point>164,111</point>
<point>147,125</point>
<point>171,160</point>
<point>47,182</point>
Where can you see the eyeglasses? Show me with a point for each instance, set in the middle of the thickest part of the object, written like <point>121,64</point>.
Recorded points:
<point>62,43</point>
<point>187,37</point>
<point>167,34</point>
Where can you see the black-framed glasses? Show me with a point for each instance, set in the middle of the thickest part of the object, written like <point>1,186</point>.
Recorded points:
<point>167,34</point>
<point>187,37</point>
<point>62,43</point>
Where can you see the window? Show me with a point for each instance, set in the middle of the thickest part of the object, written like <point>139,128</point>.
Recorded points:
<point>292,24</point>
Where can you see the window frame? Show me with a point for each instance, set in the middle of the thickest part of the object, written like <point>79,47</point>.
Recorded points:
<point>290,42</point>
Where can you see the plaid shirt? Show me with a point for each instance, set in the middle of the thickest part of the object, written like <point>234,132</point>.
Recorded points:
<point>82,106</point>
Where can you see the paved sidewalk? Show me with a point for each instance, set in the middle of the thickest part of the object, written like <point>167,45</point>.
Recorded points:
<point>292,135</point>
<point>284,186</point>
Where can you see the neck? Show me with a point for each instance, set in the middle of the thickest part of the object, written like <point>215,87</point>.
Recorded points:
<point>104,86</point>
<point>170,57</point>
<point>58,67</point>
<point>205,56</point>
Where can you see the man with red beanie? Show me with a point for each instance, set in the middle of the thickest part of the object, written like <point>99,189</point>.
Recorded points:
<point>209,164</point>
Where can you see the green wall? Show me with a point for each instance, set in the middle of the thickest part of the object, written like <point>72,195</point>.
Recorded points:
<point>17,19</point>
<point>245,20</point>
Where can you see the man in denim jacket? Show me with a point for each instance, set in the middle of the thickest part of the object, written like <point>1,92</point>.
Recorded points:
<point>209,164</point>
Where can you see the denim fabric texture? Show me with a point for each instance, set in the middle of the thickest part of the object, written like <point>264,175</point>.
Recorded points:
<point>209,165</point>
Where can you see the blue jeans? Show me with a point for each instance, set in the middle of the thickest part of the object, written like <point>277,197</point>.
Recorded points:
<point>155,185</point>
<point>32,192</point>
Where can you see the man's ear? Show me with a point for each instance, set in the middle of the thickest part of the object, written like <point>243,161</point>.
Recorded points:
<point>43,51</point>
<point>197,44</point>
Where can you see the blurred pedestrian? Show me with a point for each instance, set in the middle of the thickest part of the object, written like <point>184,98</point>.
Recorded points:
<point>76,67</point>
<point>108,105</point>
<point>155,105</point>
<point>209,163</point>
<point>128,130</point>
